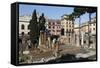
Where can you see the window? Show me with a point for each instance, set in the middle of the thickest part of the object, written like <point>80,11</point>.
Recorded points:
<point>58,26</point>
<point>66,30</point>
<point>53,23</point>
<point>58,30</point>
<point>69,34</point>
<point>22,26</point>
<point>84,41</point>
<point>53,30</point>
<point>69,30</point>
<point>49,30</point>
<point>91,42</point>
<point>93,28</point>
<point>28,33</point>
<point>49,26</point>
<point>49,23</point>
<point>53,27</point>
<point>22,33</point>
<point>94,24</point>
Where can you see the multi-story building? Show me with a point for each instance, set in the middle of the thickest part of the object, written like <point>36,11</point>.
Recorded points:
<point>86,34</point>
<point>67,29</point>
<point>92,34</point>
<point>54,26</point>
<point>67,25</point>
<point>93,26</point>
<point>24,25</point>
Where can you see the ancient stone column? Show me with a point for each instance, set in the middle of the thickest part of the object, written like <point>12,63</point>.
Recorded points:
<point>82,37</point>
<point>77,40</point>
<point>42,39</point>
<point>53,43</point>
<point>94,42</point>
<point>56,49</point>
<point>49,42</point>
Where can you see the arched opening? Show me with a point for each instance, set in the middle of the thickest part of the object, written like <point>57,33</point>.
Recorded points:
<point>62,31</point>
<point>22,33</point>
<point>28,33</point>
<point>22,26</point>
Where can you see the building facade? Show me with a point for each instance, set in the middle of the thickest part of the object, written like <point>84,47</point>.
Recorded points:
<point>54,26</point>
<point>93,26</point>
<point>24,25</point>
<point>67,30</point>
<point>67,25</point>
<point>87,35</point>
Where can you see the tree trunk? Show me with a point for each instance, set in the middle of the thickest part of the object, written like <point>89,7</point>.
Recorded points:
<point>79,31</point>
<point>89,29</point>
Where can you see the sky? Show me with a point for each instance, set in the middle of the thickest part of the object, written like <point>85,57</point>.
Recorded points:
<point>51,12</point>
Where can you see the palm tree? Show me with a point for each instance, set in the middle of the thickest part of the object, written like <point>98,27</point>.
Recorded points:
<point>90,11</point>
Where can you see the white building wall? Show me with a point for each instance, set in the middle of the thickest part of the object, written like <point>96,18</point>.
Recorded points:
<point>25,30</point>
<point>92,27</point>
<point>24,20</point>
